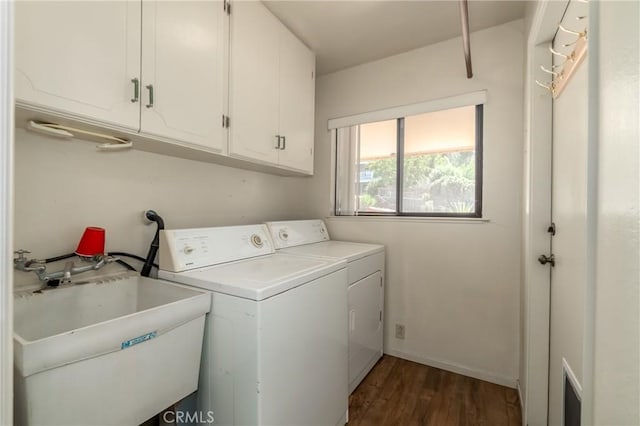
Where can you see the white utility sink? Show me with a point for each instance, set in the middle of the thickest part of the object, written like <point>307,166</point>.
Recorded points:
<point>115,351</point>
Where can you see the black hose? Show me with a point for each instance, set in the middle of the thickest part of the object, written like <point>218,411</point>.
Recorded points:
<point>132,256</point>
<point>125,264</point>
<point>61,257</point>
<point>155,244</point>
<point>70,255</point>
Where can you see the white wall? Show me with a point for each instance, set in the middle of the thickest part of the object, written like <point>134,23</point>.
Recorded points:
<point>6,178</point>
<point>614,304</point>
<point>63,186</point>
<point>455,285</point>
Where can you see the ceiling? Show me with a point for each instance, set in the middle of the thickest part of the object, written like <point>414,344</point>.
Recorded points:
<point>344,33</point>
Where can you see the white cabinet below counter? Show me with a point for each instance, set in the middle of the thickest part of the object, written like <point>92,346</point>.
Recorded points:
<point>272,87</point>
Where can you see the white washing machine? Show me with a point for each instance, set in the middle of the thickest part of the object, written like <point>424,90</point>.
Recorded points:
<point>276,345</point>
<point>366,285</point>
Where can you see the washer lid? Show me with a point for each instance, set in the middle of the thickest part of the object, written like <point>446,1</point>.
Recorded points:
<point>336,250</point>
<point>258,278</point>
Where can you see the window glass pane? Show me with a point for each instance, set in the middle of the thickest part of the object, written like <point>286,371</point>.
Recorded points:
<point>378,162</point>
<point>439,153</point>
<point>439,162</point>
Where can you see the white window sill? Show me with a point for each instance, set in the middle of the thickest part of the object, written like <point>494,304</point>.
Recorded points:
<point>419,219</point>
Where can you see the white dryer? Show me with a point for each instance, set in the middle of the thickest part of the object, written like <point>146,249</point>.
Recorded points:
<point>275,346</point>
<point>366,285</point>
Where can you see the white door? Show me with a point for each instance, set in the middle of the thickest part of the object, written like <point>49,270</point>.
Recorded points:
<point>254,90</point>
<point>79,58</point>
<point>297,91</point>
<point>183,48</point>
<point>569,208</point>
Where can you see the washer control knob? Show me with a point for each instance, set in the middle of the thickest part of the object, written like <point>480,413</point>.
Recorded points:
<point>256,240</point>
<point>283,234</point>
<point>188,249</point>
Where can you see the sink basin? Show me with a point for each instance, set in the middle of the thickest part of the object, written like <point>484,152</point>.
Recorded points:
<point>115,351</point>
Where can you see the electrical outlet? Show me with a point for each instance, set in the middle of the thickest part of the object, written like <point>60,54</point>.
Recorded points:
<point>399,331</point>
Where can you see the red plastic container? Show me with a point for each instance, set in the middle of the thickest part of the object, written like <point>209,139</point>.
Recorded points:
<point>92,242</point>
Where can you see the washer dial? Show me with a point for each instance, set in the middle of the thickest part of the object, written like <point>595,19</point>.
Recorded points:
<point>256,240</point>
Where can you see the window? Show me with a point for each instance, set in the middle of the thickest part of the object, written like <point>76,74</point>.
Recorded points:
<point>422,164</point>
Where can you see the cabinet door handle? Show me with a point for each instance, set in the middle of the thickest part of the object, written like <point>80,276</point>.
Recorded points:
<point>277,146</point>
<point>136,90</point>
<point>284,143</point>
<point>150,88</point>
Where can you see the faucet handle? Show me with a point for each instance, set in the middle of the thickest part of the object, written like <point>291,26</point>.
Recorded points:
<point>21,254</point>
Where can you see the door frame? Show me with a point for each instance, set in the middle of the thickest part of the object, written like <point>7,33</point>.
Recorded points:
<point>534,369</point>
<point>6,213</point>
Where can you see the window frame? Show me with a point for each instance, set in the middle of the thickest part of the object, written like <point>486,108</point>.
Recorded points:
<point>478,155</point>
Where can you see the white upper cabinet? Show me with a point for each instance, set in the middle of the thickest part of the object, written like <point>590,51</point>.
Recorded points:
<point>157,67</point>
<point>253,81</point>
<point>79,58</point>
<point>297,108</point>
<point>175,77</point>
<point>183,78</point>
<point>271,98</point>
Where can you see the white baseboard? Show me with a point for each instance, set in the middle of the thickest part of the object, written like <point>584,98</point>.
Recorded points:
<point>510,382</point>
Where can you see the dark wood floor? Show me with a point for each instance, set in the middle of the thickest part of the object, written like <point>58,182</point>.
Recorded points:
<point>400,392</point>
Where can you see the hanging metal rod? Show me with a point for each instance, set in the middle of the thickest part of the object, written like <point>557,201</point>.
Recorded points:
<point>466,43</point>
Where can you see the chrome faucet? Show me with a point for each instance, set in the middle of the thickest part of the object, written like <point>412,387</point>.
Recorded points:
<point>21,263</point>
<point>66,274</point>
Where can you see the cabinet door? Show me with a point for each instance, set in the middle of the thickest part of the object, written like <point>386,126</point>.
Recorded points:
<point>183,49</point>
<point>365,327</point>
<point>79,58</point>
<point>254,77</point>
<point>297,90</point>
